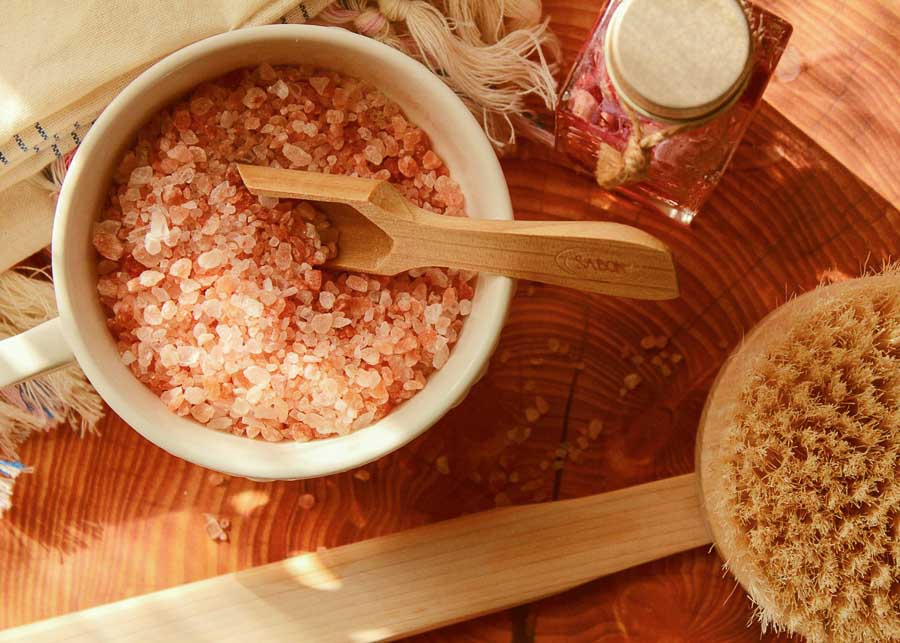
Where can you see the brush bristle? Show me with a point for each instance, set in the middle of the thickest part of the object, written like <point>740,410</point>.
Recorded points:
<point>814,479</point>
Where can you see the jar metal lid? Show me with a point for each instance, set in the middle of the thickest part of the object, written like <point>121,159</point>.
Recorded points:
<point>679,60</point>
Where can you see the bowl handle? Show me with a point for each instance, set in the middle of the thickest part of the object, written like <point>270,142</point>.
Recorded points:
<point>37,350</point>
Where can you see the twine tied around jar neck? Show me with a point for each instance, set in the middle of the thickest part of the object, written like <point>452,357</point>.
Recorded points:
<point>615,168</point>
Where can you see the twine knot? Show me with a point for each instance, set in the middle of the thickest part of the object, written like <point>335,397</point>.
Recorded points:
<point>372,23</point>
<point>395,10</point>
<point>615,168</point>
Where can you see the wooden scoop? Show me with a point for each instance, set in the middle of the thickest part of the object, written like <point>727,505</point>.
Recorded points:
<point>384,234</point>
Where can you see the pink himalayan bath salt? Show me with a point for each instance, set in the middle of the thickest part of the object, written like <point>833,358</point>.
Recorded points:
<point>217,299</point>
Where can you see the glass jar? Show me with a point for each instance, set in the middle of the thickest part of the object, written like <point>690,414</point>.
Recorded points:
<point>662,93</point>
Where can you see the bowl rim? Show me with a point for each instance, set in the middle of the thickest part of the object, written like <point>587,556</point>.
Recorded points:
<point>337,453</point>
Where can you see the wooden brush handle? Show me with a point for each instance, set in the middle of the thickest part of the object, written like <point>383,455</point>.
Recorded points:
<point>408,582</point>
<point>593,256</point>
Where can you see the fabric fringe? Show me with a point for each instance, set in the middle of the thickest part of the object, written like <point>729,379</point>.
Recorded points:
<point>496,54</point>
<point>9,471</point>
<point>63,396</point>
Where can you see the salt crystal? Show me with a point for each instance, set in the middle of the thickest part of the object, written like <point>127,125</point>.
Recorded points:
<point>214,528</point>
<point>195,394</point>
<point>256,375</point>
<point>355,282</point>
<point>202,412</point>
<point>189,285</point>
<point>306,501</point>
<point>296,155</point>
<point>240,407</point>
<point>152,315</point>
<point>152,246</point>
<point>632,381</point>
<point>373,155</point>
<point>326,299</point>
<point>433,313</point>
<point>151,278</point>
<point>254,98</point>
<point>211,259</point>
<point>280,89</point>
<point>141,175</point>
<point>319,83</point>
<point>321,323</point>
<point>181,268</point>
<point>440,357</point>
<point>431,161</point>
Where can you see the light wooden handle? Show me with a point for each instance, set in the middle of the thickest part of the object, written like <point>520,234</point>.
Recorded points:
<point>408,582</point>
<point>593,256</point>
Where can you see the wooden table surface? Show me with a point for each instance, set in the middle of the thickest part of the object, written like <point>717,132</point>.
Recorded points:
<point>812,194</point>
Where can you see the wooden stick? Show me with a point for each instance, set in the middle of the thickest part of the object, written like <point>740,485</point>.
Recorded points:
<point>408,582</point>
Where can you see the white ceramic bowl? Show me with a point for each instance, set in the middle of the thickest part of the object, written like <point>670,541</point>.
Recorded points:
<point>457,138</point>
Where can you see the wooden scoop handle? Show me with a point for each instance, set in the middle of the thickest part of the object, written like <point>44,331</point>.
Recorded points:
<point>408,582</point>
<point>593,256</point>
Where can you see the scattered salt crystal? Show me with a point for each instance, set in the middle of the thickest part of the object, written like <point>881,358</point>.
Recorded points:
<point>215,478</point>
<point>306,501</point>
<point>532,414</point>
<point>442,465</point>
<point>362,475</point>
<point>632,381</point>
<point>519,434</point>
<point>214,528</point>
